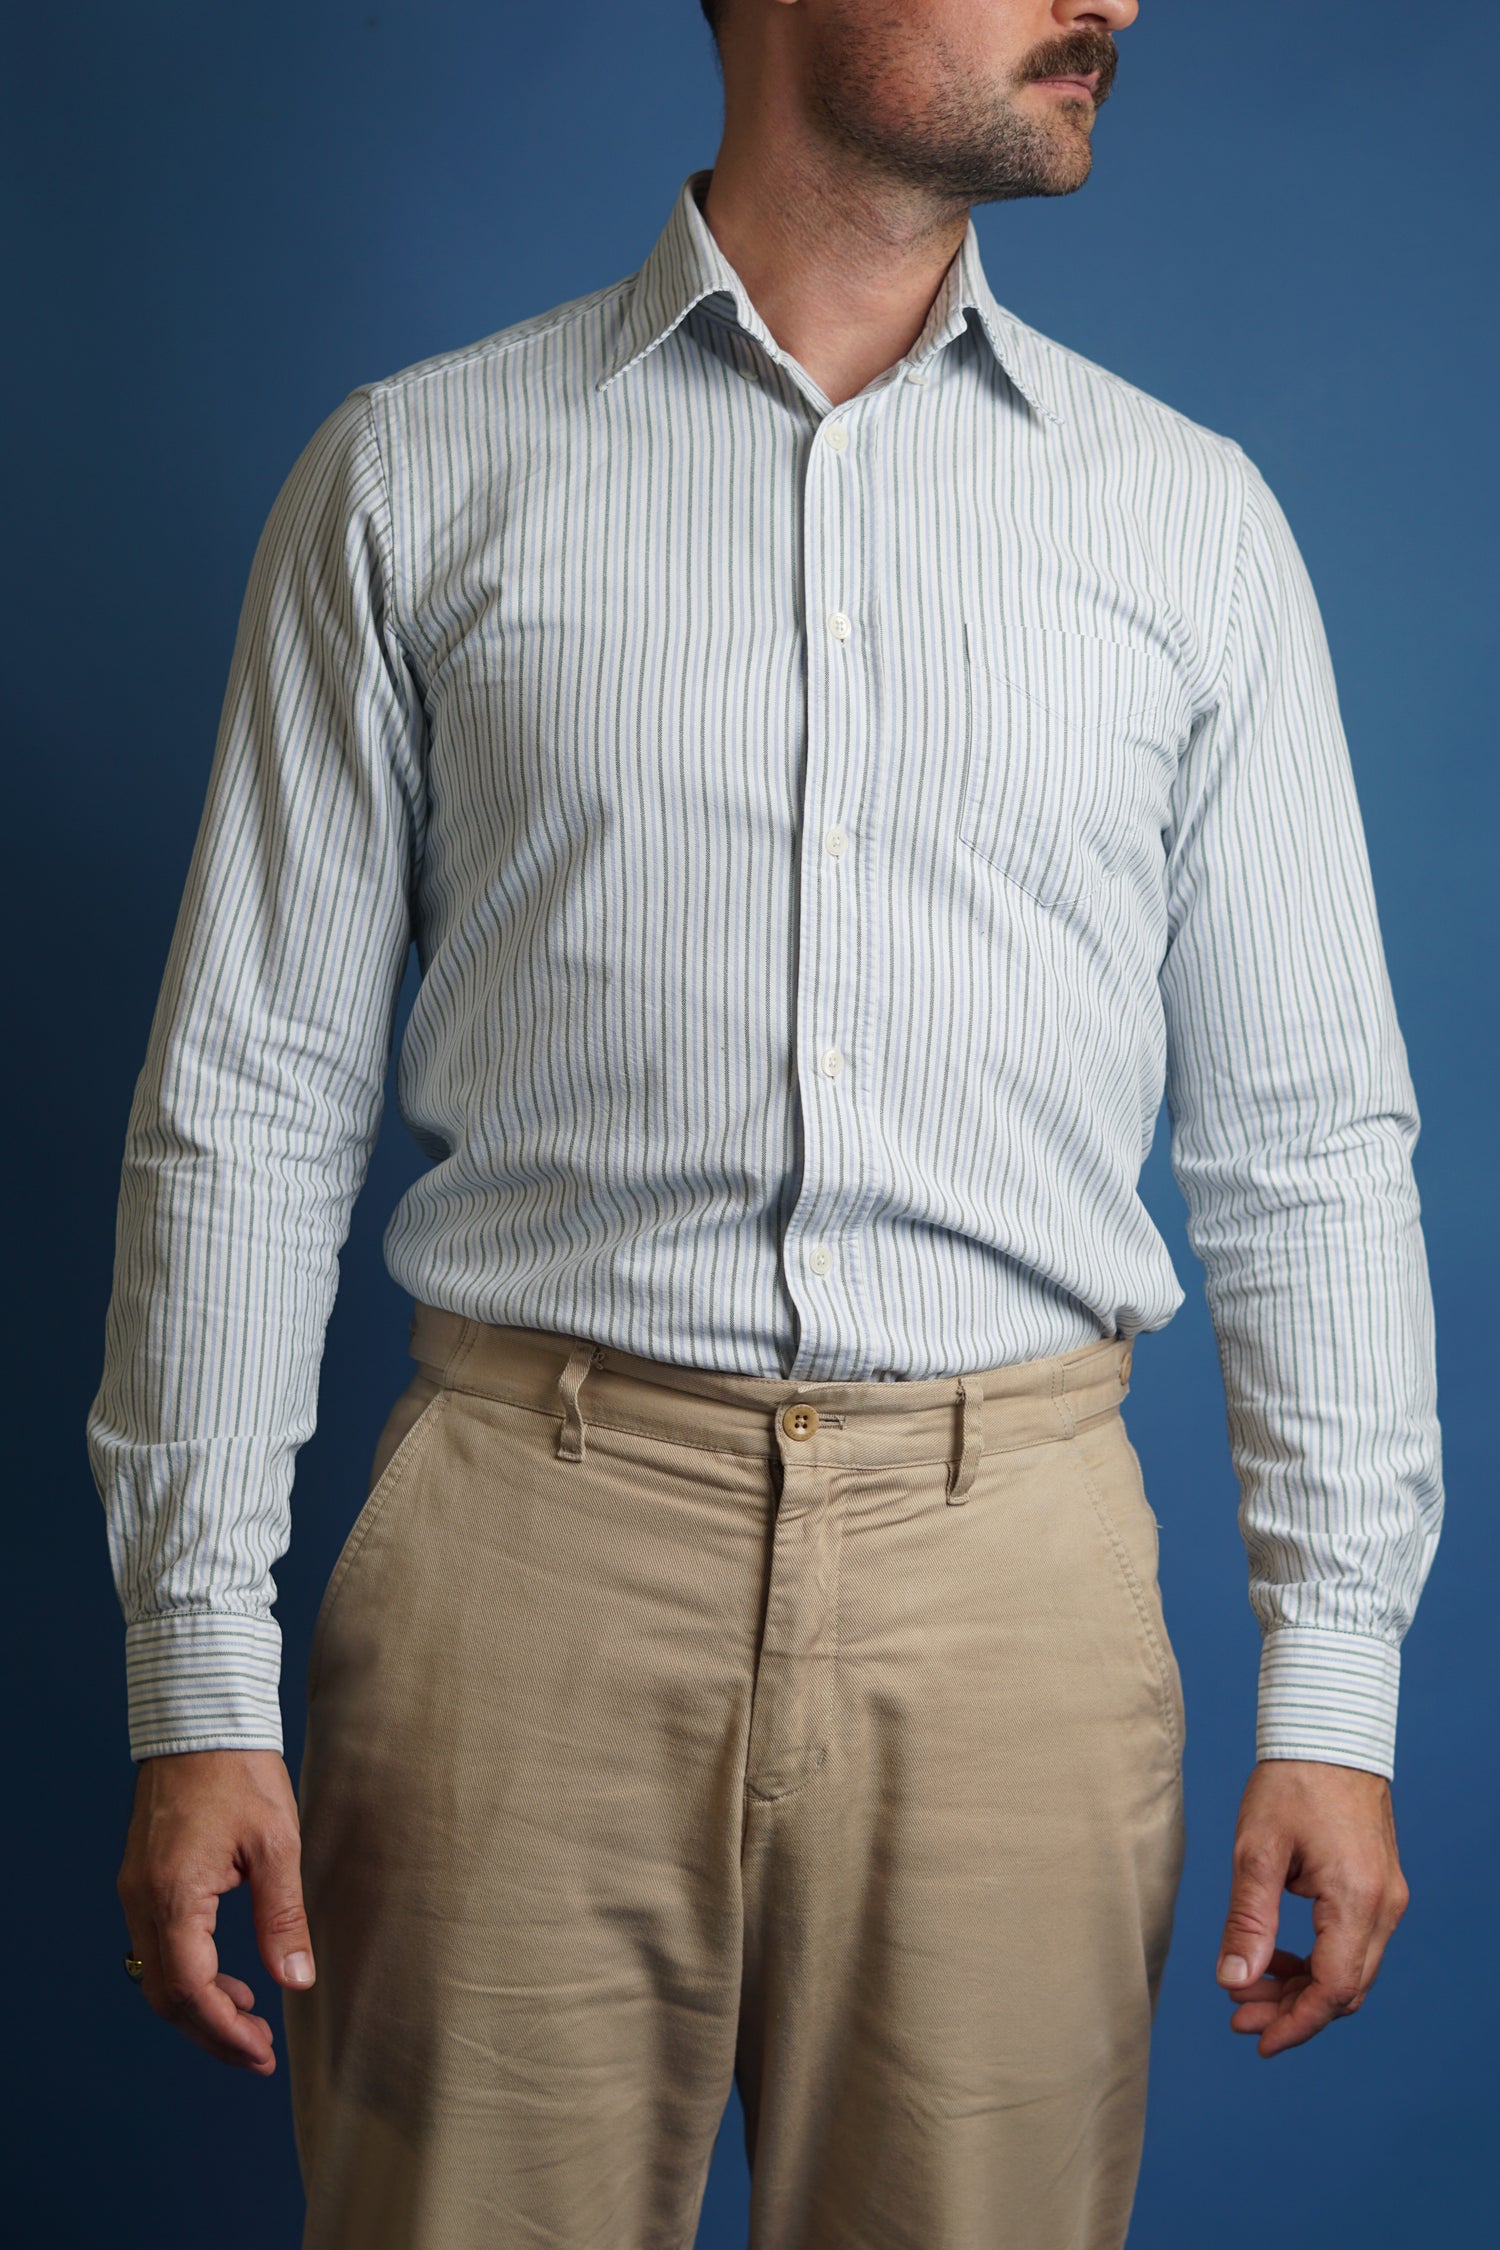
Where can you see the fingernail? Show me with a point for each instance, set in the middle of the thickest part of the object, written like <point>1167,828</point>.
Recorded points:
<point>298,1968</point>
<point>1232,1970</point>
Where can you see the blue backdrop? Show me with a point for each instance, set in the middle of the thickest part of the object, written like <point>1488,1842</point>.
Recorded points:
<point>221,219</point>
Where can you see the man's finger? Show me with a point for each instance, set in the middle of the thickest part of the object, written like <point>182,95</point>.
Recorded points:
<point>274,1866</point>
<point>1337,1969</point>
<point>1260,1865</point>
<point>262,2065</point>
<point>187,1990</point>
<point>1259,2002</point>
<point>1271,1979</point>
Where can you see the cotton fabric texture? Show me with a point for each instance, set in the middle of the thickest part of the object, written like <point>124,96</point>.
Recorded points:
<point>825,833</point>
<point>662,1737</point>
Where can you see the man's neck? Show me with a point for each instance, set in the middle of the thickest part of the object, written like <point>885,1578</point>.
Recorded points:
<point>841,270</point>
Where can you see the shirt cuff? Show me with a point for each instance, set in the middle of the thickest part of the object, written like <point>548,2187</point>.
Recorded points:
<point>1328,1696</point>
<point>196,1682</point>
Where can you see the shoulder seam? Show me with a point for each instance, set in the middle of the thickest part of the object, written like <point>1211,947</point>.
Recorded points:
<point>1236,582</point>
<point>498,344</point>
<point>1121,382</point>
<point>402,620</point>
<point>388,525</point>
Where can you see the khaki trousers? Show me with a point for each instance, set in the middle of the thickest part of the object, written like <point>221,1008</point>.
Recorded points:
<point>667,1728</point>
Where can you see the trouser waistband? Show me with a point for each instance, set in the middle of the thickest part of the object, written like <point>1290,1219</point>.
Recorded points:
<point>859,1424</point>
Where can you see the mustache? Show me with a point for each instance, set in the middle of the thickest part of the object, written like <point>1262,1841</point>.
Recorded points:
<point>1077,53</point>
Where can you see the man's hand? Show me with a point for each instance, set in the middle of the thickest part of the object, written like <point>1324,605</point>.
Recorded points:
<point>1327,1833</point>
<point>204,1822</point>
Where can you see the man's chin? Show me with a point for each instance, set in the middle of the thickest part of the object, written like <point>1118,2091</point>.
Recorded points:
<point>1061,178</point>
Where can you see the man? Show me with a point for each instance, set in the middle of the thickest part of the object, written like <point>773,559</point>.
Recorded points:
<point>840,755</point>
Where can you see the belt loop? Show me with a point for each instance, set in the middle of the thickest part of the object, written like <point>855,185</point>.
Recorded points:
<point>1067,1412</point>
<point>971,1398</point>
<point>580,1359</point>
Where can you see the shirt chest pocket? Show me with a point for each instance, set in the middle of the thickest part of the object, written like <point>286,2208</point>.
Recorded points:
<point>1069,758</point>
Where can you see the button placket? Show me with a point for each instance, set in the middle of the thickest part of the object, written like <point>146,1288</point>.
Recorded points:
<point>820,1258</point>
<point>791,1710</point>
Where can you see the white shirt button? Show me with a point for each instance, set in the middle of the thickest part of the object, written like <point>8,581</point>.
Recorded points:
<point>836,842</point>
<point>839,626</point>
<point>835,434</point>
<point>916,374</point>
<point>750,370</point>
<point>820,1260</point>
<point>830,1062</point>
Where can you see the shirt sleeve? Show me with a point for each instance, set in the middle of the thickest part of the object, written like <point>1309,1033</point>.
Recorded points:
<point>257,1108</point>
<point>1293,1122</point>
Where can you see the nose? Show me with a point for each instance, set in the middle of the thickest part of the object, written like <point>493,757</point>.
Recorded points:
<point>1100,15</point>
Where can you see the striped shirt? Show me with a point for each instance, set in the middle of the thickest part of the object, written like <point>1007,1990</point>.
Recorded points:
<point>826,833</point>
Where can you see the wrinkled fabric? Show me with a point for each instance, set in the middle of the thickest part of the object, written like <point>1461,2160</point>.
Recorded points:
<point>653,1746</point>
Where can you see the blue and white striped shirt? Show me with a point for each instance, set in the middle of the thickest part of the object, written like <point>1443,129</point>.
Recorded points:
<point>826,832</point>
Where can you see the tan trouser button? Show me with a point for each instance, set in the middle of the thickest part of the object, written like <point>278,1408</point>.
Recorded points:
<point>799,1421</point>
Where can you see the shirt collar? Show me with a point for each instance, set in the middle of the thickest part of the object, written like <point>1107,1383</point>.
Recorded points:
<point>685,265</point>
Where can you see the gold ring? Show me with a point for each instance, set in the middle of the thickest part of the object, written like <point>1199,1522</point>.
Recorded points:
<point>135,1967</point>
